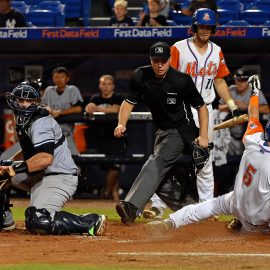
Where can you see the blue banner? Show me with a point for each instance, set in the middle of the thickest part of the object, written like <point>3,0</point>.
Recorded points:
<point>79,33</point>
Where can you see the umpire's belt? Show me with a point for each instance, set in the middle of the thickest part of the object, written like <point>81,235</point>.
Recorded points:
<point>58,173</point>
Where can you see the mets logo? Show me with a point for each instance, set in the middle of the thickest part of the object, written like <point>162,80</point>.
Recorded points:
<point>206,17</point>
<point>158,50</point>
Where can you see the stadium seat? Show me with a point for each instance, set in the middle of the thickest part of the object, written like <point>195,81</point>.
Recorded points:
<point>55,6</point>
<point>21,6</point>
<point>180,19</point>
<point>42,17</point>
<point>237,23</point>
<point>78,9</point>
<point>233,5</point>
<point>225,15</point>
<point>247,4</point>
<point>263,5</point>
<point>171,23</point>
<point>31,2</point>
<point>255,16</point>
<point>266,23</point>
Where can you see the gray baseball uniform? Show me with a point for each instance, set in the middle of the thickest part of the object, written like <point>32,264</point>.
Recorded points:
<point>51,188</point>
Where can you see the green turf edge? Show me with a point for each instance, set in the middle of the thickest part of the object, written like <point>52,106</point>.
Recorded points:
<point>18,213</point>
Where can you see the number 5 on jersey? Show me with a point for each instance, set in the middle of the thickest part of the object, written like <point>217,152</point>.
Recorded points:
<point>248,176</point>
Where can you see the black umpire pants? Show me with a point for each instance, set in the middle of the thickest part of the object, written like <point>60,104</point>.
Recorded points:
<point>168,147</point>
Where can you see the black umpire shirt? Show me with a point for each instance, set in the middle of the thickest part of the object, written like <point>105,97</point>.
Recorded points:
<point>169,99</point>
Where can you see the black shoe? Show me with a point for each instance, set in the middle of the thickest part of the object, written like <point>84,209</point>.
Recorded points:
<point>127,211</point>
<point>235,225</point>
<point>99,227</point>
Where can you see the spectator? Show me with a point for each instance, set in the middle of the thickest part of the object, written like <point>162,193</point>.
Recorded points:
<point>196,4</point>
<point>63,99</point>
<point>153,18</point>
<point>240,92</point>
<point>121,18</point>
<point>165,8</point>
<point>10,17</point>
<point>108,101</point>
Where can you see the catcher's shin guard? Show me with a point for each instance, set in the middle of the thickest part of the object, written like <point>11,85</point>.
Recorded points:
<point>68,223</point>
<point>38,221</point>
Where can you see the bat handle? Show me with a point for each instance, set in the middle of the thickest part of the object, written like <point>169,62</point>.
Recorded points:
<point>9,162</point>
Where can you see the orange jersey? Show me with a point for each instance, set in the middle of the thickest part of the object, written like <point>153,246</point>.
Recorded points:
<point>202,68</point>
<point>254,126</point>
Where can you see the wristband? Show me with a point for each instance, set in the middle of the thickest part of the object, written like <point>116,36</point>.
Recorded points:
<point>232,106</point>
<point>20,168</point>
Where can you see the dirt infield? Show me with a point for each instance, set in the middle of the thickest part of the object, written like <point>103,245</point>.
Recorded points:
<point>206,245</point>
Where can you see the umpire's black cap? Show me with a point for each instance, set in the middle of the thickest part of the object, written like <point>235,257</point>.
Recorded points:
<point>241,74</point>
<point>160,50</point>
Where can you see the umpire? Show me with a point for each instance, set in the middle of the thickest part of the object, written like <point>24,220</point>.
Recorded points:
<point>168,94</point>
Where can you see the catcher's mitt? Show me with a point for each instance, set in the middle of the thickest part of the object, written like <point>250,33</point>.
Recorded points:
<point>200,156</point>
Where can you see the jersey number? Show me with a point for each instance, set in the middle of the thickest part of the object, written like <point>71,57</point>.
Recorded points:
<point>209,83</point>
<point>247,178</point>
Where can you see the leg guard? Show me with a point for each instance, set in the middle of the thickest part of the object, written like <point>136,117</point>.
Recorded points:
<point>38,221</point>
<point>68,223</point>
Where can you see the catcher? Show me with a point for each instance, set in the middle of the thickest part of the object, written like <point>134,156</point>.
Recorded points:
<point>249,201</point>
<point>48,170</point>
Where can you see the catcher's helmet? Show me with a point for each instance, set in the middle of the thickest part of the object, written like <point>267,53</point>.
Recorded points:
<point>204,16</point>
<point>267,131</point>
<point>242,74</point>
<point>24,91</point>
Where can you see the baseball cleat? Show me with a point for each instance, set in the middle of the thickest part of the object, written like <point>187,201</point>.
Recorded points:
<point>159,227</point>
<point>153,213</point>
<point>235,225</point>
<point>127,211</point>
<point>9,227</point>
<point>99,228</point>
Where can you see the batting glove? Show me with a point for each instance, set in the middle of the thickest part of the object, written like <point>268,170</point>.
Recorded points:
<point>255,85</point>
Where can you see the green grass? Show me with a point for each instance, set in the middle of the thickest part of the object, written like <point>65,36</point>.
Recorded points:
<point>18,213</point>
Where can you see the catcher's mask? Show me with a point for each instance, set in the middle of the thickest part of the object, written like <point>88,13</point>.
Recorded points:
<point>203,16</point>
<point>24,101</point>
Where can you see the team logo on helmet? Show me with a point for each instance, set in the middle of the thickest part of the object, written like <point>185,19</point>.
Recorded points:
<point>206,17</point>
<point>159,50</point>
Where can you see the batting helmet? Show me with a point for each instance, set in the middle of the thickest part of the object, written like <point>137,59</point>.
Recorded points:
<point>204,16</point>
<point>267,131</point>
<point>241,74</point>
<point>23,91</point>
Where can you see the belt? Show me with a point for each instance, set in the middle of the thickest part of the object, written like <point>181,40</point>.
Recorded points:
<point>55,173</point>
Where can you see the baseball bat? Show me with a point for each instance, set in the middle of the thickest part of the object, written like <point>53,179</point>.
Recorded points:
<point>232,122</point>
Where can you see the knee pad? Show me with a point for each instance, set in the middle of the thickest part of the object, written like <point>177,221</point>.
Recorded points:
<point>38,221</point>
